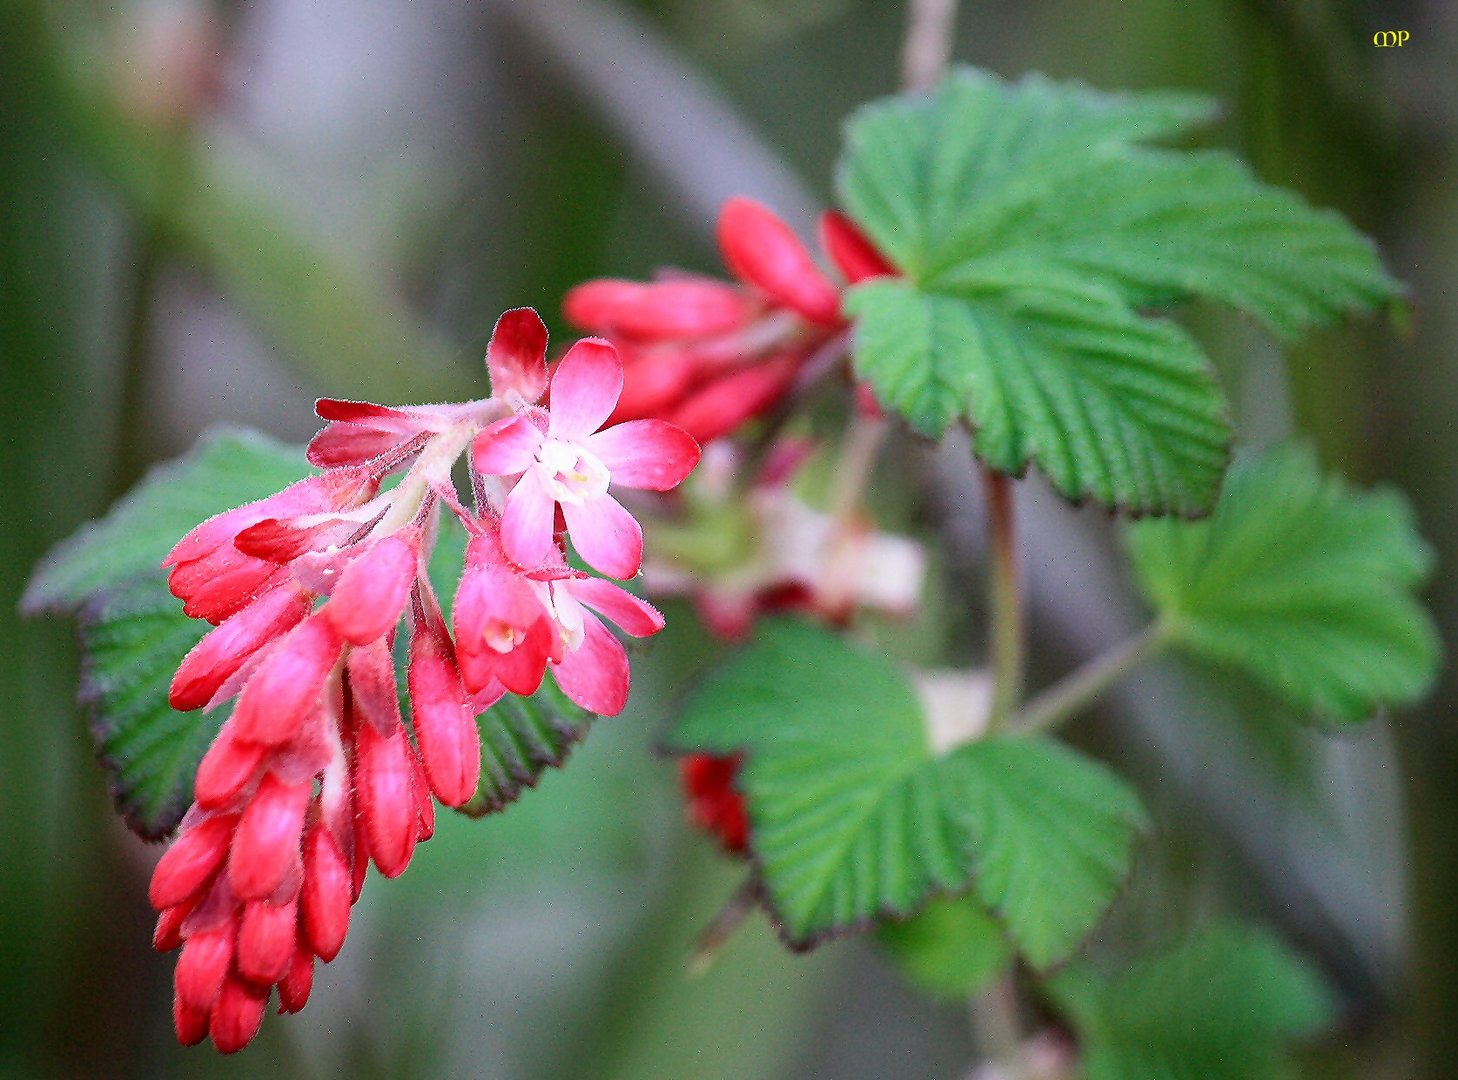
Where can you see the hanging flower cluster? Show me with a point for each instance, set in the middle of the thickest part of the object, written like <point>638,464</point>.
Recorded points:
<point>709,356</point>
<point>314,774</point>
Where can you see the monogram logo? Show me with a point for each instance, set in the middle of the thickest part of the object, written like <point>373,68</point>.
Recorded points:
<point>1389,39</point>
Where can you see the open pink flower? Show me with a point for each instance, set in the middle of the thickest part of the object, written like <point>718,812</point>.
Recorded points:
<point>593,669</point>
<point>566,461</point>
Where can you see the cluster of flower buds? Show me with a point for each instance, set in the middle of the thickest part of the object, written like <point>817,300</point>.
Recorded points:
<point>710,356</point>
<point>314,775</point>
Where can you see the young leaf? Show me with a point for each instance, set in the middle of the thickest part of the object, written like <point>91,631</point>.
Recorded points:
<point>133,636</point>
<point>950,949</point>
<point>1219,1006</point>
<point>854,815</point>
<point>1300,583</point>
<point>1032,229</point>
<point>227,468</point>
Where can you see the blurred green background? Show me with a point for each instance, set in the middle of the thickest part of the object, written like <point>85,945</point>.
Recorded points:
<point>214,214</point>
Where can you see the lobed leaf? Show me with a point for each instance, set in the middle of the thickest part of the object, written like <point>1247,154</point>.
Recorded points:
<point>1301,584</point>
<point>1034,231</point>
<point>1221,1005</point>
<point>854,816</point>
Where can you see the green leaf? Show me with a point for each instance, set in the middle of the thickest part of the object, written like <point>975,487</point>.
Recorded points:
<point>1033,230</point>
<point>227,468</point>
<point>854,815</point>
<point>520,739</point>
<point>133,636</point>
<point>951,949</point>
<point>1219,1006</point>
<point>1299,583</point>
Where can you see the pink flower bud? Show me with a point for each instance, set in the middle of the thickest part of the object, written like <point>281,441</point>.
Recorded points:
<point>237,1015</point>
<point>215,658</point>
<point>293,988</point>
<point>168,933</point>
<point>221,584</point>
<point>516,357</point>
<point>450,744</point>
<point>852,252</point>
<point>191,862</point>
<point>190,1024</point>
<point>226,769</point>
<point>682,308</point>
<point>423,803</point>
<point>763,251</point>
<point>266,844</point>
<point>385,790</point>
<point>373,589</point>
<point>267,936</point>
<point>202,966</point>
<point>286,686</point>
<point>370,672</point>
<point>734,399</point>
<point>326,897</point>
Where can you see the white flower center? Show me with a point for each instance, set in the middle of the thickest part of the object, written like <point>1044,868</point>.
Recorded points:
<point>571,473</point>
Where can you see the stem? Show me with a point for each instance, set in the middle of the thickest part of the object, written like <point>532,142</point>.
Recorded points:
<point>928,44</point>
<point>997,1027</point>
<point>716,935</point>
<point>1079,689</point>
<point>858,452</point>
<point>1006,594</point>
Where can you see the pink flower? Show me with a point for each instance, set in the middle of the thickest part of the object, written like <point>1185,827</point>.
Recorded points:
<point>568,462</point>
<point>593,668</point>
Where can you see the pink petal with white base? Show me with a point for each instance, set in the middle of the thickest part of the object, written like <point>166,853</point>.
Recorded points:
<point>586,386</point>
<point>607,537</point>
<point>637,617</point>
<point>516,358</point>
<point>528,522</point>
<point>595,675</point>
<point>650,454</point>
<point>506,447</point>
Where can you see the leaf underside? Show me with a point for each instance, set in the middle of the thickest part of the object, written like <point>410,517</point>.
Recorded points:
<point>854,817</point>
<point>1035,232</point>
<point>1300,584</point>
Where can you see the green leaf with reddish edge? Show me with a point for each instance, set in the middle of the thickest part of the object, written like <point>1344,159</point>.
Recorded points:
<point>951,949</point>
<point>133,636</point>
<point>854,816</point>
<point>1034,231</point>
<point>227,468</point>
<point>1300,584</point>
<point>1224,1004</point>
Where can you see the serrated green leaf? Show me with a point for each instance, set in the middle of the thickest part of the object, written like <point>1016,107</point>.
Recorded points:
<point>1221,1005</point>
<point>950,949</point>
<point>854,816</point>
<point>1299,582</point>
<point>1032,228</point>
<point>1110,406</point>
<point>133,636</point>
<point>226,469</point>
<point>520,739</point>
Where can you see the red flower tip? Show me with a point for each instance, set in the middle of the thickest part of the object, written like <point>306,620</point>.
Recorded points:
<point>762,250</point>
<point>286,686</point>
<point>237,1015</point>
<point>385,788</point>
<point>266,843</point>
<point>202,966</point>
<point>713,803</point>
<point>851,250</point>
<point>594,305</point>
<point>226,769</point>
<point>190,1024</point>
<point>267,935</point>
<point>191,862</point>
<point>326,895</point>
<point>215,658</point>
<point>723,405</point>
<point>293,988</point>
<point>373,589</point>
<point>445,729</point>
<point>516,357</point>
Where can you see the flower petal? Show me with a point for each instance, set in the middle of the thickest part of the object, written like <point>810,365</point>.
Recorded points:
<point>595,675</point>
<point>516,357</point>
<point>683,308</point>
<point>586,385</point>
<point>528,522</point>
<point>636,616</point>
<point>735,399</point>
<point>595,305</point>
<point>651,454</point>
<point>606,536</point>
<point>507,447</point>
<point>762,250</point>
